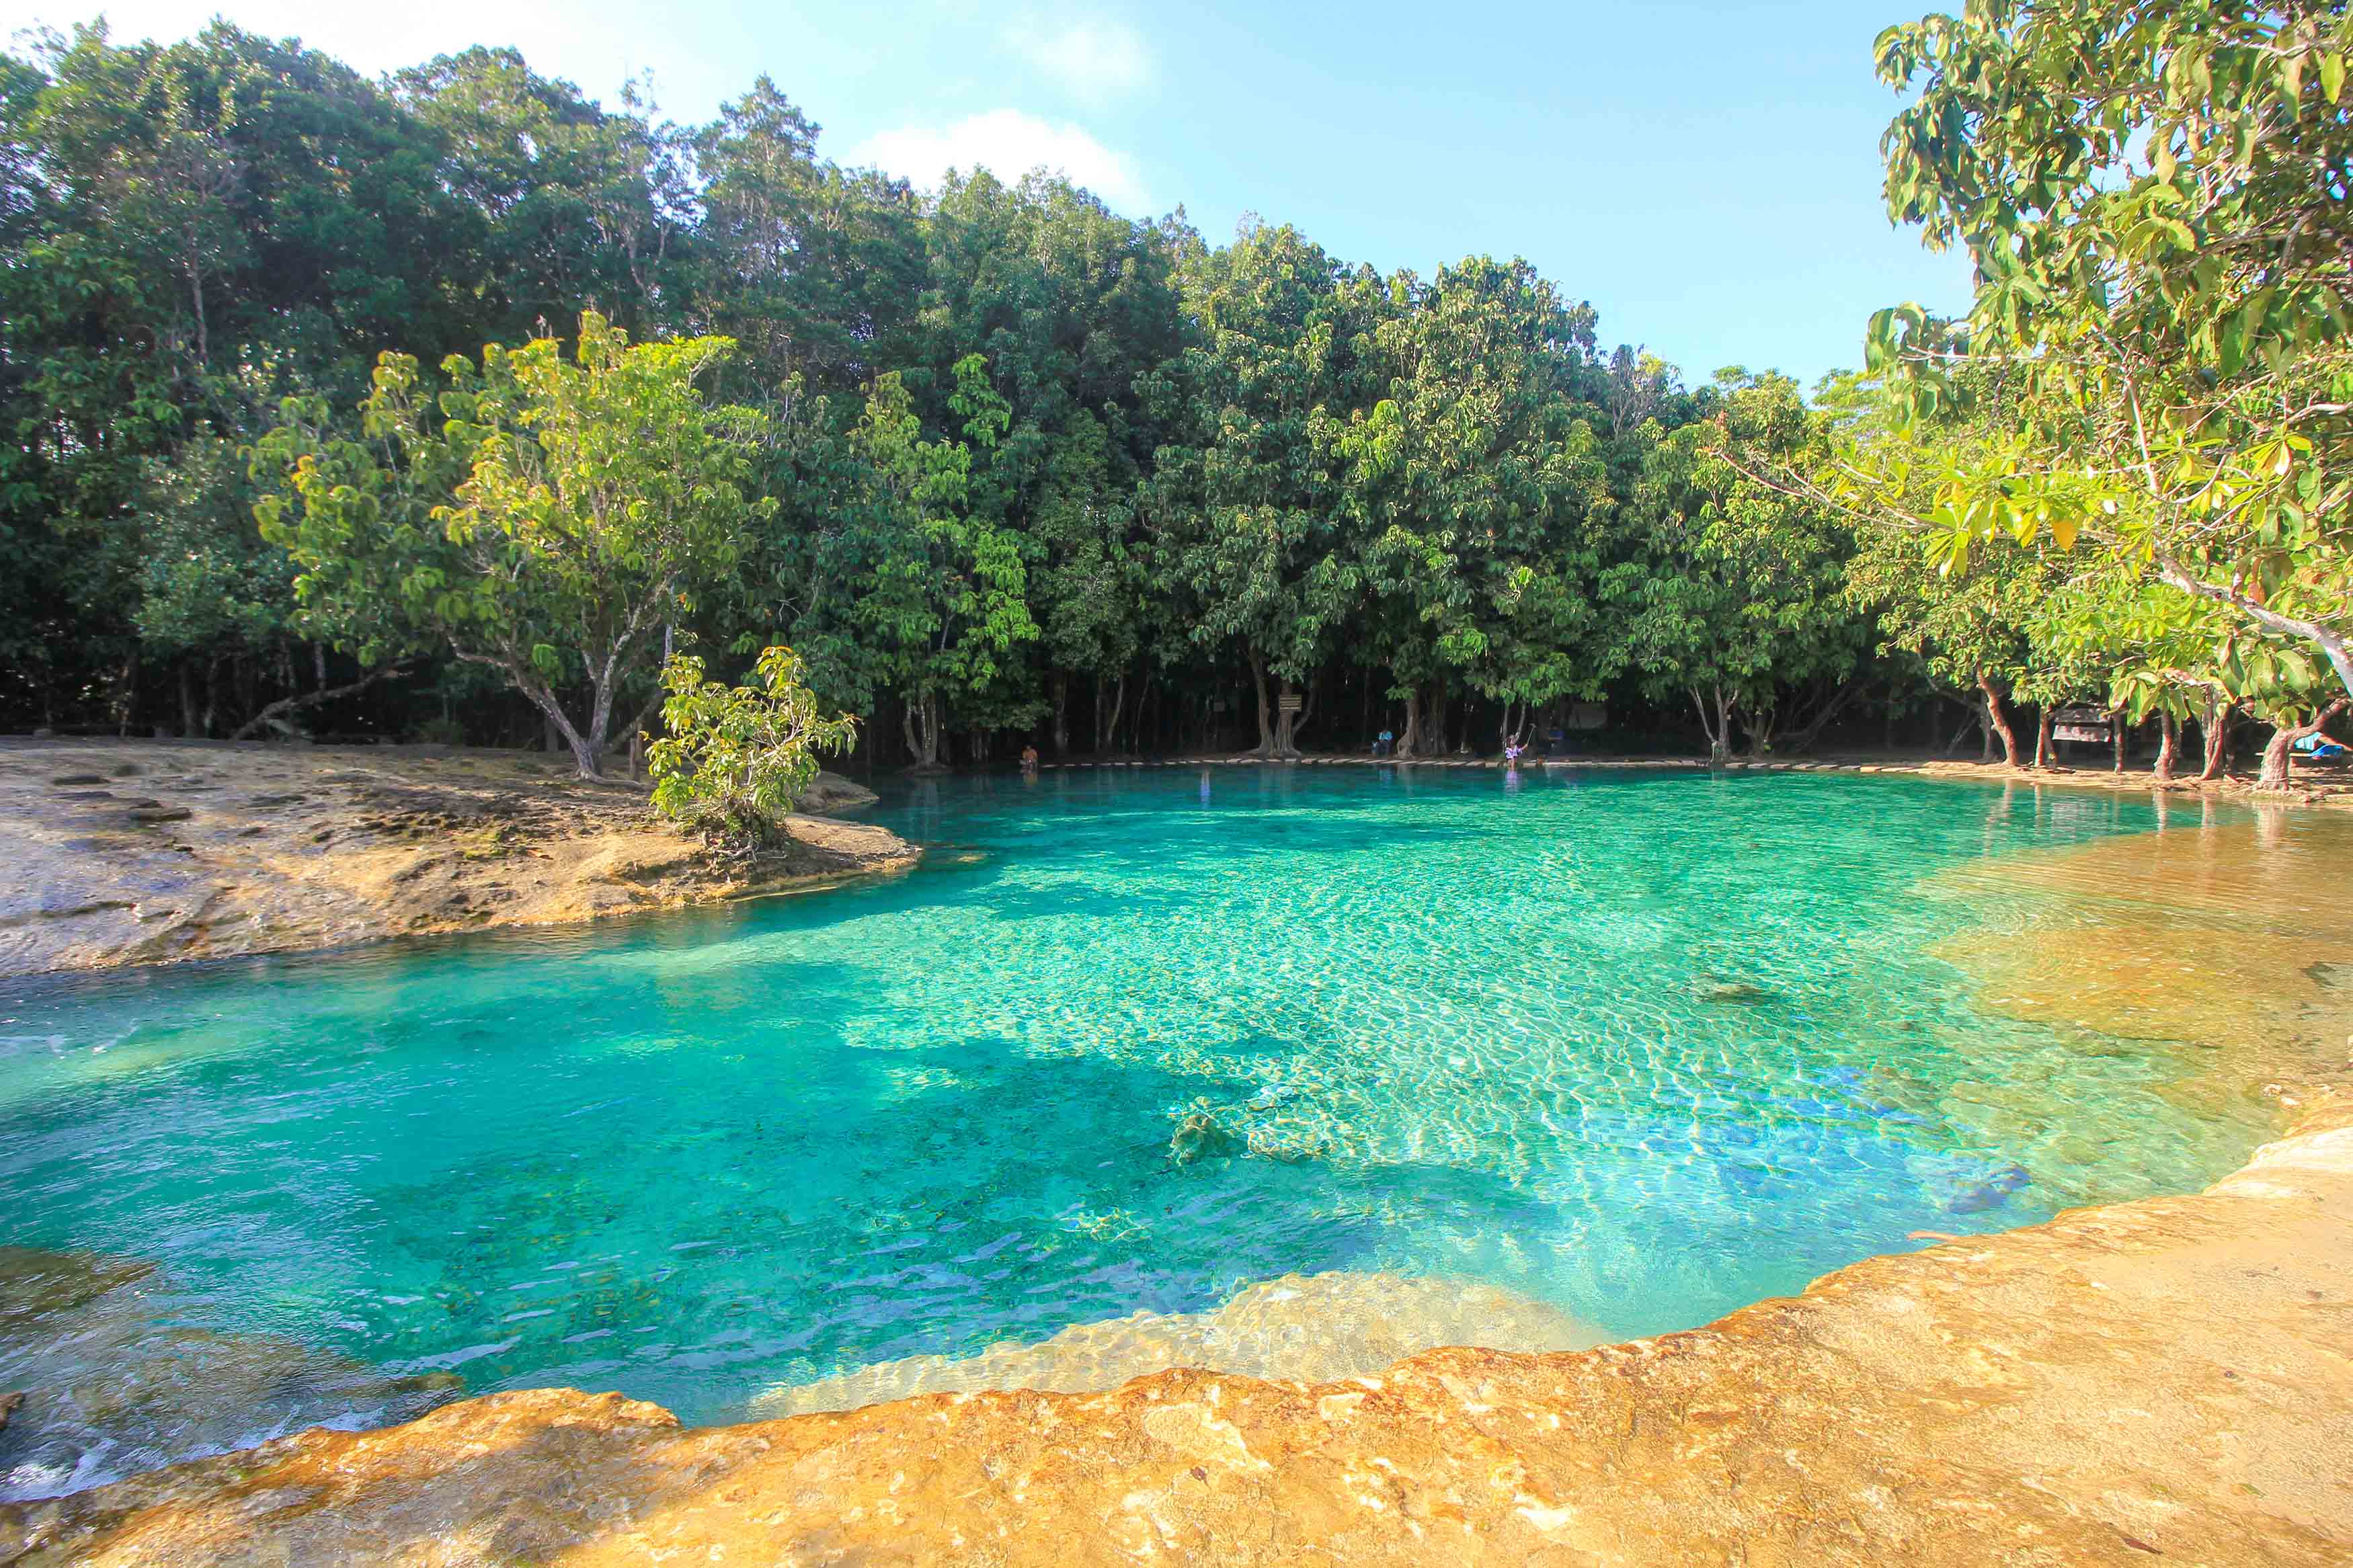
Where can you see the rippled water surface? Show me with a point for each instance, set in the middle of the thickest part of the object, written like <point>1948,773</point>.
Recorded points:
<point>1642,1047</point>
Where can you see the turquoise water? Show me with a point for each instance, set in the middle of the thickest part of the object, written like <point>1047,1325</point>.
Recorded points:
<point>1646,1047</point>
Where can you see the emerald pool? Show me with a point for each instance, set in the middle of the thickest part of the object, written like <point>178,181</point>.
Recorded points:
<point>1643,1047</point>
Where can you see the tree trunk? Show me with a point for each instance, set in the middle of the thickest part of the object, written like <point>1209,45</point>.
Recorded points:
<point>2218,739</point>
<point>2275,750</point>
<point>919,720</point>
<point>1812,730</point>
<point>1759,723</point>
<point>1265,715</point>
<point>2042,758</point>
<point>1118,712</point>
<point>1972,713</point>
<point>1061,712</point>
<point>1718,727</point>
<point>2117,741</point>
<point>1410,736</point>
<point>2168,742</point>
<point>1287,722</point>
<point>1437,723</point>
<point>1996,720</point>
<point>188,702</point>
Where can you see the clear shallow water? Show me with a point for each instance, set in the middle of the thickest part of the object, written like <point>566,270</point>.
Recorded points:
<point>1643,1048</point>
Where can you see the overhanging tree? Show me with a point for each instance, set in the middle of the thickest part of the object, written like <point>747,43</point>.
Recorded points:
<point>2156,195</point>
<point>560,515</point>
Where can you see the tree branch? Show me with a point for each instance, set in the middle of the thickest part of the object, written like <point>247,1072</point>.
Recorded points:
<point>2331,643</point>
<point>286,705</point>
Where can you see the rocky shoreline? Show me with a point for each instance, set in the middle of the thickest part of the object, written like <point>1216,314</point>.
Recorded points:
<point>151,852</point>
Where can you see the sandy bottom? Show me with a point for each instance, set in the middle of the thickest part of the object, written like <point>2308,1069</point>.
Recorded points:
<point>2229,936</point>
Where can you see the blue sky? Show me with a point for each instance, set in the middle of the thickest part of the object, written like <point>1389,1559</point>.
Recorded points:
<point>1705,174</point>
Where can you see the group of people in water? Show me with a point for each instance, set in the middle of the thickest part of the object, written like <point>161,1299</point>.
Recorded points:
<point>1515,745</point>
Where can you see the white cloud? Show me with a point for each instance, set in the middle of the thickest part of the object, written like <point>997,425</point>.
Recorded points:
<point>1008,143</point>
<point>1095,59</point>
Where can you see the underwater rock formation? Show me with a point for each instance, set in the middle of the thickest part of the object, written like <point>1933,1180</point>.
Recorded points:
<point>112,1384</point>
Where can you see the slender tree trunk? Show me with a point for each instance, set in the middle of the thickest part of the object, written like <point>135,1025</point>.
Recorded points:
<point>187,700</point>
<point>1807,734</point>
<point>1972,713</point>
<point>196,297</point>
<point>1118,711</point>
<point>1265,716</point>
<point>1998,720</point>
<point>2168,742</point>
<point>1409,738</point>
<point>1437,723</point>
<point>1061,712</point>
<point>2043,724</point>
<point>2118,743</point>
<point>2218,739</point>
<point>1716,726</point>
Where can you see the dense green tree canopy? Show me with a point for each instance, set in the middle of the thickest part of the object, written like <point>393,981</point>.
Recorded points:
<point>1000,463</point>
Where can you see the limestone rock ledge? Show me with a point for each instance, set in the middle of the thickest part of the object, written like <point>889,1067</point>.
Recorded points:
<point>2168,1379</point>
<point>146,853</point>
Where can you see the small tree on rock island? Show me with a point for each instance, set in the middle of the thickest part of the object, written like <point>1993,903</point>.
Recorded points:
<point>561,512</point>
<point>736,759</point>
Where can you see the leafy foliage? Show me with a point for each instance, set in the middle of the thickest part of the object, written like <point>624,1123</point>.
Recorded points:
<point>2155,195</point>
<point>733,760</point>
<point>590,500</point>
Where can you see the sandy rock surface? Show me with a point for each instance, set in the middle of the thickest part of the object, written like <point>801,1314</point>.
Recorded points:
<point>147,852</point>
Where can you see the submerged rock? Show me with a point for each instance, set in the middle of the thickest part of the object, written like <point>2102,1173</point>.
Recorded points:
<point>1734,991</point>
<point>1200,1136</point>
<point>120,1383</point>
